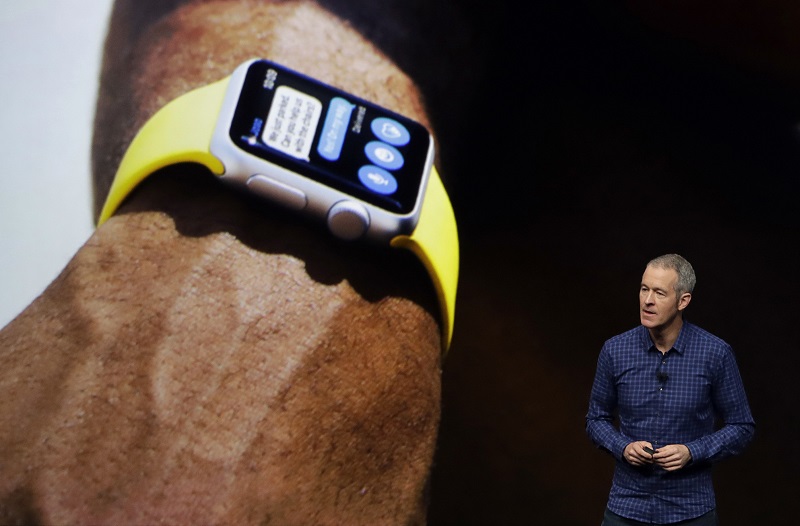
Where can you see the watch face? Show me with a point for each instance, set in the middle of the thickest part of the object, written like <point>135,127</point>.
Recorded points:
<point>331,137</point>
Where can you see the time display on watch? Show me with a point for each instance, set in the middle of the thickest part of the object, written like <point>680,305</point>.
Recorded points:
<point>331,137</point>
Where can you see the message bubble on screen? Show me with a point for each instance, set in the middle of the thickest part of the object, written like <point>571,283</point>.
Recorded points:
<point>292,122</point>
<point>334,129</point>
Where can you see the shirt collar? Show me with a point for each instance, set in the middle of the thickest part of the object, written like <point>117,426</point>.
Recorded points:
<point>683,338</point>
<point>680,344</point>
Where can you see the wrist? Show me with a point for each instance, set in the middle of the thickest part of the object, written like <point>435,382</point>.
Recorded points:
<point>188,231</point>
<point>242,329</point>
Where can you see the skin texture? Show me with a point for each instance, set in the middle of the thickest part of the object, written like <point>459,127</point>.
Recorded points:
<point>660,308</point>
<point>202,359</point>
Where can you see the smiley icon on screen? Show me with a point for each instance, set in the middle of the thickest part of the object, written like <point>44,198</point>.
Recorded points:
<point>384,155</point>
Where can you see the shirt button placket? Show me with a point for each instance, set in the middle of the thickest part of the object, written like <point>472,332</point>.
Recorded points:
<point>662,400</point>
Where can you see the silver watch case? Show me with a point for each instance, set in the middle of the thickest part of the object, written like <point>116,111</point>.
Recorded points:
<point>346,216</point>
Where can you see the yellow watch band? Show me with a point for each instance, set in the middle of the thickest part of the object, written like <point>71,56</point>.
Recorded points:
<point>182,132</point>
<point>435,242</point>
<point>179,132</point>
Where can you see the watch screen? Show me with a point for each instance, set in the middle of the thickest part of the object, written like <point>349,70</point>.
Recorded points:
<point>332,137</point>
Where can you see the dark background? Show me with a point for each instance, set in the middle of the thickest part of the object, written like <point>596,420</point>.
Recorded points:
<point>579,140</point>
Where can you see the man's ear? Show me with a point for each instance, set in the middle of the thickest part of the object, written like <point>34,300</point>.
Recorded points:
<point>684,300</point>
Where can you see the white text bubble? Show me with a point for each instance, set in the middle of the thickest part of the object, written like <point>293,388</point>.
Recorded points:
<point>292,121</point>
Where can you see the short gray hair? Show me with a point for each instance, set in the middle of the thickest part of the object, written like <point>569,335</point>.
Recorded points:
<point>686,278</point>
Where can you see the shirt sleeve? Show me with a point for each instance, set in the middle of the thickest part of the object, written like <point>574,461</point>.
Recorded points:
<point>732,408</point>
<point>602,407</point>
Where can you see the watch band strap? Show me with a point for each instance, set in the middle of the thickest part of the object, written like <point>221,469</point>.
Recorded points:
<point>435,242</point>
<point>179,132</point>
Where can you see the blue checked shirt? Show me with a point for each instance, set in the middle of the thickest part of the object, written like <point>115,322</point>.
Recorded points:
<point>668,399</point>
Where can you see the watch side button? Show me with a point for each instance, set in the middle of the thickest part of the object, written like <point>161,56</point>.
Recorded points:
<point>277,191</point>
<point>348,220</point>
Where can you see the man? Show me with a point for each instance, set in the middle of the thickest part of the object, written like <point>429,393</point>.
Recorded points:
<point>666,381</point>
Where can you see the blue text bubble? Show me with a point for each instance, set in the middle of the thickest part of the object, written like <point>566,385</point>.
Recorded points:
<point>334,129</point>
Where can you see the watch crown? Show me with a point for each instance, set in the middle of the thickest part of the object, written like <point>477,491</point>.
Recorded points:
<point>348,220</point>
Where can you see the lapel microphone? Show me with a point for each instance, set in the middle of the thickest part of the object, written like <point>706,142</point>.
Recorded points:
<point>662,377</point>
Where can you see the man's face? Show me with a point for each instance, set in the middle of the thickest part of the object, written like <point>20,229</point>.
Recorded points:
<point>659,305</point>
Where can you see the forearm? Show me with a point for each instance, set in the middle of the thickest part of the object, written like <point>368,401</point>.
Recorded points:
<point>731,405</point>
<point>605,435</point>
<point>164,368</point>
<point>203,359</point>
<point>601,413</point>
<point>726,442</point>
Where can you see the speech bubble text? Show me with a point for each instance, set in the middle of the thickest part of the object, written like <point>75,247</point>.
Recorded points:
<point>292,122</point>
<point>334,129</point>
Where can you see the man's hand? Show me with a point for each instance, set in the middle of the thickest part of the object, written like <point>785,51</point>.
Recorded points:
<point>636,455</point>
<point>672,457</point>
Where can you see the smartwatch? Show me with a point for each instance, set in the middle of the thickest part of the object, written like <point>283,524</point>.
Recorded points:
<point>362,170</point>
